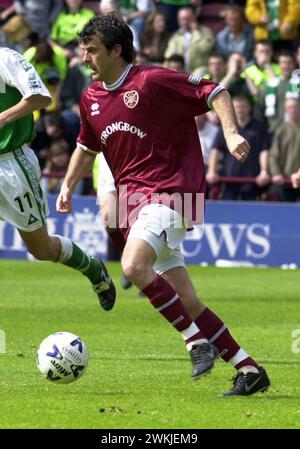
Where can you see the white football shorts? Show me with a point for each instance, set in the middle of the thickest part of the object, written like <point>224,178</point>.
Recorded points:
<point>22,201</point>
<point>164,229</point>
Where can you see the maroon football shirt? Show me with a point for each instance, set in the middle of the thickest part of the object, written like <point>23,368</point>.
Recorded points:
<point>144,124</point>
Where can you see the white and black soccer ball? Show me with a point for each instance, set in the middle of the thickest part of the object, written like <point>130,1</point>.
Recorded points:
<point>62,357</point>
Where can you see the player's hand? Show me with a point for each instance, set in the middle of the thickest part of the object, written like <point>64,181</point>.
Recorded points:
<point>238,146</point>
<point>63,202</point>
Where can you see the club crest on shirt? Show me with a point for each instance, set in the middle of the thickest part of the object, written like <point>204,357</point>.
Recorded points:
<point>131,99</point>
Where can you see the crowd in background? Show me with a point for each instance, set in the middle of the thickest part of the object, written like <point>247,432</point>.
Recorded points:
<point>251,47</point>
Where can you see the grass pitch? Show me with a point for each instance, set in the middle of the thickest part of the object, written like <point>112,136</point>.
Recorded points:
<point>139,371</point>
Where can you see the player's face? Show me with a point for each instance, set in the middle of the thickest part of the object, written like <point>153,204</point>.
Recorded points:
<point>100,60</point>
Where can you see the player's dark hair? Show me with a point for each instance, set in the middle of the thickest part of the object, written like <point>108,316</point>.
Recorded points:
<point>112,30</point>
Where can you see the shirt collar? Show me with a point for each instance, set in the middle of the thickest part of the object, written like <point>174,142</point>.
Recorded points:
<point>119,81</point>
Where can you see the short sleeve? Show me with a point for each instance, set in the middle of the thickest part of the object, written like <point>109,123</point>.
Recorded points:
<point>182,94</point>
<point>87,139</point>
<point>17,72</point>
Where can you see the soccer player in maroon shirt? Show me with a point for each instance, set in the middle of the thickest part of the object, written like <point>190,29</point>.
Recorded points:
<point>142,119</point>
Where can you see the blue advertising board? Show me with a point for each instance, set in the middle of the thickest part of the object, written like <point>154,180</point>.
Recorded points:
<point>235,233</point>
<point>247,233</point>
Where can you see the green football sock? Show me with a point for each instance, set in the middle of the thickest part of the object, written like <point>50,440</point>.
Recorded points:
<point>73,256</point>
<point>89,266</point>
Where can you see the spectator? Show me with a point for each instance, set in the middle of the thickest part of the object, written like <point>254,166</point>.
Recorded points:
<point>207,133</point>
<point>170,9</point>
<point>270,104</point>
<point>175,62</point>
<point>77,79</point>
<point>284,157</point>
<point>212,14</point>
<point>7,10</point>
<point>256,166</point>
<point>52,128</point>
<point>135,13</point>
<point>155,38</point>
<point>295,178</point>
<point>263,69</point>
<point>15,33</point>
<point>51,64</point>
<point>39,14</point>
<point>236,81</point>
<point>216,71</point>
<point>141,58</point>
<point>237,36</point>
<point>57,162</point>
<point>276,21</point>
<point>109,6</point>
<point>68,24</point>
<point>216,68</point>
<point>194,42</point>
<point>298,56</point>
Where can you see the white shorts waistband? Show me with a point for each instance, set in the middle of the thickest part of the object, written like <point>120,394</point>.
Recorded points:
<point>10,154</point>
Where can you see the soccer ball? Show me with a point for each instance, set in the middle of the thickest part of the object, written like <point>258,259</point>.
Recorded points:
<point>62,357</point>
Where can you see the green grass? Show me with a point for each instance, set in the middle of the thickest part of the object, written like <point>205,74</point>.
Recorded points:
<point>139,370</point>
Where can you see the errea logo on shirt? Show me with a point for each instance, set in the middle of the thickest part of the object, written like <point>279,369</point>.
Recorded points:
<point>95,109</point>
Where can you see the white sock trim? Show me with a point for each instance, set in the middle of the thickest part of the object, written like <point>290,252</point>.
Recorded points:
<point>248,369</point>
<point>190,331</point>
<point>196,342</point>
<point>217,334</point>
<point>66,248</point>
<point>238,357</point>
<point>167,304</point>
<point>83,270</point>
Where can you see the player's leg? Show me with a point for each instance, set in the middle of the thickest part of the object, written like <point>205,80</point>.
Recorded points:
<point>60,249</point>
<point>249,372</point>
<point>108,210</point>
<point>108,202</point>
<point>179,279</point>
<point>109,214</point>
<point>24,206</point>
<point>144,246</point>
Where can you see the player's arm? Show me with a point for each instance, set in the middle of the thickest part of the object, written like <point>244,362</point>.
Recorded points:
<point>24,107</point>
<point>236,144</point>
<point>18,73</point>
<point>80,164</point>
